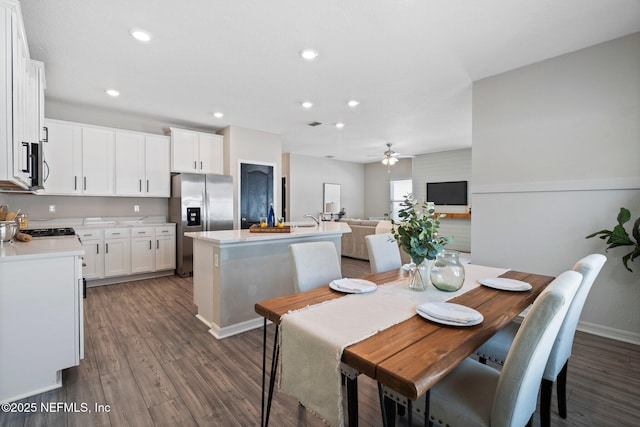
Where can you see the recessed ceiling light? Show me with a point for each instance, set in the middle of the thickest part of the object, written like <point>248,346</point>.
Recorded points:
<point>113,92</point>
<point>140,35</point>
<point>307,104</point>
<point>353,103</point>
<point>309,54</point>
<point>339,125</point>
<point>218,115</point>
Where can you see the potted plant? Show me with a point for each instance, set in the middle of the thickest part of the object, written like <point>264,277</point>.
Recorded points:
<point>619,237</point>
<point>417,234</point>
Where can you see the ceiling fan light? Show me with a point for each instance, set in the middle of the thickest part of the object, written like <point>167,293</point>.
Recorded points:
<point>393,160</point>
<point>385,161</point>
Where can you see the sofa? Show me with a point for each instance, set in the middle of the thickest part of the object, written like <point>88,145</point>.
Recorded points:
<point>353,244</point>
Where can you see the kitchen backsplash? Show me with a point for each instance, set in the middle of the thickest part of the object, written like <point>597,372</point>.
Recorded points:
<point>38,207</point>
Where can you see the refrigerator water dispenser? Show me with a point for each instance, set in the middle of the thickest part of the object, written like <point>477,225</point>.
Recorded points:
<point>193,216</point>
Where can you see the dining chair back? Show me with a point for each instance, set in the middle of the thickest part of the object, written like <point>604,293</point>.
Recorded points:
<point>314,264</point>
<point>497,348</point>
<point>384,253</point>
<point>517,391</point>
<point>474,394</point>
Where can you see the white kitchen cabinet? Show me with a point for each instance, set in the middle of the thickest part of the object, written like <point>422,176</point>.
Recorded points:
<point>142,164</point>
<point>196,152</point>
<point>93,260</point>
<point>20,87</point>
<point>98,161</point>
<point>165,255</point>
<point>142,250</point>
<point>117,252</point>
<point>153,248</point>
<point>42,321</point>
<point>157,165</point>
<point>63,158</point>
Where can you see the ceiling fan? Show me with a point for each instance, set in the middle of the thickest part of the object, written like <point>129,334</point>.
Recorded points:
<point>390,157</point>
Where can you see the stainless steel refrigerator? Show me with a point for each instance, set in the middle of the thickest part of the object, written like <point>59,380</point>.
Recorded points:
<point>198,203</point>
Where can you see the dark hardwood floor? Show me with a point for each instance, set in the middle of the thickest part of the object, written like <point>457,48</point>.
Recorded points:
<point>150,362</point>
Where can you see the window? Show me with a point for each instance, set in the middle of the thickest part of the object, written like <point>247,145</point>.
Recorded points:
<point>399,190</point>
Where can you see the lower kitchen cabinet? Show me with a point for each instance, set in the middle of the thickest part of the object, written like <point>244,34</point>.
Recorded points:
<point>93,260</point>
<point>165,256</point>
<point>41,327</point>
<point>116,252</point>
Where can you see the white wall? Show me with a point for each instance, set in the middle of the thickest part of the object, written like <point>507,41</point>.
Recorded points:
<point>243,145</point>
<point>306,176</point>
<point>556,149</point>
<point>377,187</point>
<point>454,165</point>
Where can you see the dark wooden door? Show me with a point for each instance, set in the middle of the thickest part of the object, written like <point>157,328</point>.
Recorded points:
<point>256,193</point>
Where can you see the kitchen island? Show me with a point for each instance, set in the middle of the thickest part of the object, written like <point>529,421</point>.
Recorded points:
<point>41,319</point>
<point>234,269</point>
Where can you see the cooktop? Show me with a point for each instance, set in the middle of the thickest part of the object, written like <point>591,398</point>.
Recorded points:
<point>49,232</point>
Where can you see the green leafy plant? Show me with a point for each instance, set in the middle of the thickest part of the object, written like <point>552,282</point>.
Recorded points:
<point>619,237</point>
<point>417,230</point>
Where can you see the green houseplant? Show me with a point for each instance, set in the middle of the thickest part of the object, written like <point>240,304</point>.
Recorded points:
<point>619,237</point>
<point>417,234</point>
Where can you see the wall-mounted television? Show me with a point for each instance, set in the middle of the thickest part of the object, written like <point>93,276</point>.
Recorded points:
<point>453,193</point>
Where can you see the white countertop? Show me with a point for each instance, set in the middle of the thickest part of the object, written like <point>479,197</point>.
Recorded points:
<point>104,222</point>
<point>41,248</point>
<point>236,236</point>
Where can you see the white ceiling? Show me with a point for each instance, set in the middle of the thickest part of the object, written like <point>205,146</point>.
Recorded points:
<point>410,62</point>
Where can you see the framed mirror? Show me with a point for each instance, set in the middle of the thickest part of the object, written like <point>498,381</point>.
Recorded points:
<point>331,200</point>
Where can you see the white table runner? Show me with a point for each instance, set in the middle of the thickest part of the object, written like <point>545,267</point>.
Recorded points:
<point>312,339</point>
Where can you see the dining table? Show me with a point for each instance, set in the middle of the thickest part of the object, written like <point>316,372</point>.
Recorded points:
<point>411,356</point>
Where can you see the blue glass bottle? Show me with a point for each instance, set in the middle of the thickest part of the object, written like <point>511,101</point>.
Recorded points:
<point>271,218</point>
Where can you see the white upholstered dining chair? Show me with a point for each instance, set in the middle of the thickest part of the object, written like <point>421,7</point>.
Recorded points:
<point>497,348</point>
<point>474,394</point>
<point>384,253</point>
<point>314,264</point>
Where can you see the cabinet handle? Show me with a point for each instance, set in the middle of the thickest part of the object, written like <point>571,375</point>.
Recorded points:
<point>140,185</point>
<point>106,248</point>
<point>200,165</point>
<point>149,244</point>
<point>157,244</point>
<point>147,186</point>
<point>27,155</point>
<point>75,182</point>
<point>115,234</point>
<point>97,248</point>
<point>164,231</point>
<point>46,134</point>
<point>195,164</point>
<point>85,183</point>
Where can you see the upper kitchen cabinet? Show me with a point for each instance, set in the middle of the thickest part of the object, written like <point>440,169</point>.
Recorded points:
<point>21,89</point>
<point>79,159</point>
<point>98,159</point>
<point>196,152</point>
<point>142,165</point>
<point>63,158</point>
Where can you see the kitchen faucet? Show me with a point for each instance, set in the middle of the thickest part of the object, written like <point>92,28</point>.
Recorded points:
<point>313,217</point>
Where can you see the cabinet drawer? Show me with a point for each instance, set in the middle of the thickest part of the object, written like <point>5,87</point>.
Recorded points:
<point>141,232</point>
<point>117,233</point>
<point>90,233</point>
<point>166,230</point>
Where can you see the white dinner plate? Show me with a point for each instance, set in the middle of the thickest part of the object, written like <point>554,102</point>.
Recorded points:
<point>353,286</point>
<point>505,284</point>
<point>446,313</point>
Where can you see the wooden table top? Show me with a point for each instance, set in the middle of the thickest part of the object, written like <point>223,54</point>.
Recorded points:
<point>412,356</point>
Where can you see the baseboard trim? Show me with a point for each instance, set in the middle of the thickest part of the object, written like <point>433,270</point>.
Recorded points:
<point>235,329</point>
<point>130,278</point>
<point>607,332</point>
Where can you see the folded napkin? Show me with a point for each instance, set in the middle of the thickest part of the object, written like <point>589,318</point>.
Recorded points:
<point>506,284</point>
<point>354,285</point>
<point>449,312</point>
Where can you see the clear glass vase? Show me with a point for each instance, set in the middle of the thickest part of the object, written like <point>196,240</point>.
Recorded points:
<point>420,276</point>
<point>447,273</point>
